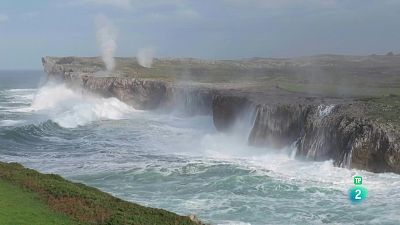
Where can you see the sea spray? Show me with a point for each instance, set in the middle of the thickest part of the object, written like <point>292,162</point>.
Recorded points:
<point>162,161</point>
<point>71,108</point>
<point>145,57</point>
<point>9,123</point>
<point>325,110</point>
<point>106,35</point>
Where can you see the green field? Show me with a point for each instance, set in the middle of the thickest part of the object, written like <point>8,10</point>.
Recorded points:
<point>29,197</point>
<point>372,83</point>
<point>323,75</point>
<point>20,207</point>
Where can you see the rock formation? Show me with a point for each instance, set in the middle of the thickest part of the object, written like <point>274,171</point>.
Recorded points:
<point>321,127</point>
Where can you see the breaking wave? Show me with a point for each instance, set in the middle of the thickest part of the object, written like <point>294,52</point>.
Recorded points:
<point>182,164</point>
<point>70,108</point>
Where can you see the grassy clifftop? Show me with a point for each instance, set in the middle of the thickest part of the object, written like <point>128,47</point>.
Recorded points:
<point>326,75</point>
<point>34,198</point>
<point>371,82</point>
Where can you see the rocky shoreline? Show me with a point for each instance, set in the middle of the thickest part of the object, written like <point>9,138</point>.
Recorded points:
<point>320,126</point>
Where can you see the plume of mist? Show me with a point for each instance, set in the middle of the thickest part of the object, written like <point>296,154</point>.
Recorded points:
<point>106,35</point>
<point>145,57</point>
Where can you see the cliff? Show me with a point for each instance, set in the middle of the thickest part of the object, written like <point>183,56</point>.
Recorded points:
<point>342,108</point>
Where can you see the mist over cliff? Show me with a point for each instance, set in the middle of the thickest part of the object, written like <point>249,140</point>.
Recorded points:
<point>319,123</point>
<point>106,34</point>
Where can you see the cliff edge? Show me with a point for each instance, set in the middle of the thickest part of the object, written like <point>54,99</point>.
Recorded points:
<point>343,108</point>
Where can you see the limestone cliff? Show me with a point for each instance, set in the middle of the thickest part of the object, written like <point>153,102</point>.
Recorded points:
<point>321,127</point>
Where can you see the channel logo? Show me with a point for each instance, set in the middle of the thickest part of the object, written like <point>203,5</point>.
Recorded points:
<point>358,193</point>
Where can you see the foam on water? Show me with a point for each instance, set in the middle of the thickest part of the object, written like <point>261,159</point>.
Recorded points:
<point>325,110</point>
<point>8,123</point>
<point>183,164</point>
<point>70,108</point>
<point>16,100</point>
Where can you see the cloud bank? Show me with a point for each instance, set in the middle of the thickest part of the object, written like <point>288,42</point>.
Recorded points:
<point>124,4</point>
<point>279,3</point>
<point>136,4</point>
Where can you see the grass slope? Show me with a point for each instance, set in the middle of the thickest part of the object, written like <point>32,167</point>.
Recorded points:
<point>21,207</point>
<point>83,204</point>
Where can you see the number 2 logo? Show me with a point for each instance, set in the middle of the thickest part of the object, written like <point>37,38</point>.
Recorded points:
<point>358,194</point>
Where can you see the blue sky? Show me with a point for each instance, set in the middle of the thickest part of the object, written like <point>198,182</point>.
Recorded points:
<point>197,28</point>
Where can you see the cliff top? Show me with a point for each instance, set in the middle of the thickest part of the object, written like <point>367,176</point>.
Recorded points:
<point>371,82</point>
<point>327,75</point>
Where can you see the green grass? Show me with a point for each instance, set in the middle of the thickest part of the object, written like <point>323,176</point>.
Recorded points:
<point>324,75</point>
<point>383,109</point>
<point>338,90</point>
<point>81,203</point>
<point>20,207</point>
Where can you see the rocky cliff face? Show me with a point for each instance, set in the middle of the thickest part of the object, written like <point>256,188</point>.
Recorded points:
<point>320,131</point>
<point>339,136</point>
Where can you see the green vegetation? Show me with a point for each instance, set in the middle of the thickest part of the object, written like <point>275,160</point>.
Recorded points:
<point>339,90</point>
<point>326,75</point>
<point>374,79</point>
<point>384,109</point>
<point>41,193</point>
<point>21,207</point>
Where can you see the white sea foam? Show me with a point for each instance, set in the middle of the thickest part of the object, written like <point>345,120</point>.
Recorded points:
<point>18,95</point>
<point>8,123</point>
<point>210,179</point>
<point>325,110</point>
<point>18,109</point>
<point>233,223</point>
<point>16,100</point>
<point>21,90</point>
<point>186,166</point>
<point>71,108</point>
<point>277,163</point>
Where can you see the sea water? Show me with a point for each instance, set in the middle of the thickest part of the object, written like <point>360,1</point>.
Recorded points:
<point>176,162</point>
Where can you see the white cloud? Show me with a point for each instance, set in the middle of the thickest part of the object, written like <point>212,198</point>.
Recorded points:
<point>273,4</point>
<point>158,2</point>
<point>149,9</point>
<point>185,14</point>
<point>129,4</point>
<point>3,18</point>
<point>124,4</point>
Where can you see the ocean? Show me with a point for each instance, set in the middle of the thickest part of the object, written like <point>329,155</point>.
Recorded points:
<point>177,162</point>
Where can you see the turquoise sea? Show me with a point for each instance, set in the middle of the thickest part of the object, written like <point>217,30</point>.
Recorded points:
<point>177,162</point>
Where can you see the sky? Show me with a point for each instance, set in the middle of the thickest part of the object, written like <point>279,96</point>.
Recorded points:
<point>210,29</point>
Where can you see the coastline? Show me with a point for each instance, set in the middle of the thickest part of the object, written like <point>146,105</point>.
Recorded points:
<point>348,126</point>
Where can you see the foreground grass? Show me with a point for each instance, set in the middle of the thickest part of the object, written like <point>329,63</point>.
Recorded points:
<point>35,194</point>
<point>19,206</point>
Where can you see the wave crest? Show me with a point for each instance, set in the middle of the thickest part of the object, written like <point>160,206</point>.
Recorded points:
<point>72,108</point>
